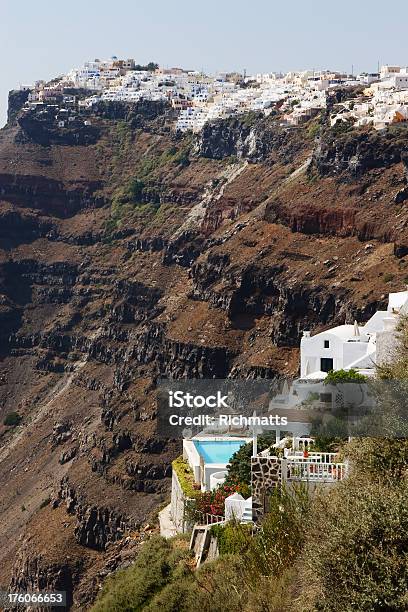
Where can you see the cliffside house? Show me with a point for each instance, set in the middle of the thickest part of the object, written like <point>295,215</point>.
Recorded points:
<point>356,346</point>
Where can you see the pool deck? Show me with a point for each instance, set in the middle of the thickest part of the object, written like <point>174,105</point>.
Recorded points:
<point>202,470</point>
<point>220,438</point>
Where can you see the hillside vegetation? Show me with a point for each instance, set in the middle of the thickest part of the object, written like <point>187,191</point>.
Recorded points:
<point>343,550</point>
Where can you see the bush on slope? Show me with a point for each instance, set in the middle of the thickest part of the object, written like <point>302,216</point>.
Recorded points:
<point>131,590</point>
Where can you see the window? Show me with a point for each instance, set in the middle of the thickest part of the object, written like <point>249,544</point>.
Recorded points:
<point>327,344</point>
<point>326,398</point>
<point>326,364</point>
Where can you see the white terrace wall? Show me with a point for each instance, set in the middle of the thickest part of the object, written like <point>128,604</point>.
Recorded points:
<point>178,506</point>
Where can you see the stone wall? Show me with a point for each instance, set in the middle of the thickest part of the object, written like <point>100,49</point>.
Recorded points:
<point>266,474</point>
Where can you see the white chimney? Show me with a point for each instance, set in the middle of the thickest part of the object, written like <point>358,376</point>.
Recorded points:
<point>306,334</point>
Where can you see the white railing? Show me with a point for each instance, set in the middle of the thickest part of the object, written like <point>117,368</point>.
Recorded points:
<point>203,518</point>
<point>315,472</point>
<point>312,457</point>
<point>301,442</point>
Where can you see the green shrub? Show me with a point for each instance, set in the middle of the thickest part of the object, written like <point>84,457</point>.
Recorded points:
<point>325,443</point>
<point>182,159</point>
<point>335,377</point>
<point>148,165</point>
<point>159,562</point>
<point>239,467</point>
<point>282,532</point>
<point>131,193</point>
<point>12,419</point>
<point>379,459</point>
<point>173,597</point>
<point>126,208</point>
<point>343,127</point>
<point>135,190</point>
<point>151,66</point>
<point>251,574</point>
<point>232,538</point>
<point>185,477</point>
<point>217,587</point>
<point>355,557</point>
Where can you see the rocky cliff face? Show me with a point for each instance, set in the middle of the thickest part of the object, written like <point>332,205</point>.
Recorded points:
<point>16,101</point>
<point>254,138</point>
<point>140,254</point>
<point>352,154</point>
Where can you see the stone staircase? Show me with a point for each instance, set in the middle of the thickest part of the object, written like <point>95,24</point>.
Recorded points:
<point>247,514</point>
<point>203,544</point>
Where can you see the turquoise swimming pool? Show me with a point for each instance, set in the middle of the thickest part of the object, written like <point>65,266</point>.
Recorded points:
<point>217,451</point>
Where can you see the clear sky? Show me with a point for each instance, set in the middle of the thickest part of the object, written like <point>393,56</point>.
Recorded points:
<point>44,38</point>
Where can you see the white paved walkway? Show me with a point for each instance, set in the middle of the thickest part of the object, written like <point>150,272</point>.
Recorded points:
<point>167,527</point>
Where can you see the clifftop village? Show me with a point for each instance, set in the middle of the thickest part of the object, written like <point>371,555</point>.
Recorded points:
<point>381,98</point>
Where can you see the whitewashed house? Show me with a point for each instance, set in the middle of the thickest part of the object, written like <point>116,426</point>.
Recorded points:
<point>366,78</point>
<point>356,346</point>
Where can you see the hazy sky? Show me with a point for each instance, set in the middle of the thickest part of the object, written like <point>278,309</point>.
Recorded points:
<point>44,38</point>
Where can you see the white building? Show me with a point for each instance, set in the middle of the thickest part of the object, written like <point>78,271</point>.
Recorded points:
<point>389,71</point>
<point>400,81</point>
<point>200,98</point>
<point>366,78</point>
<point>356,346</point>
